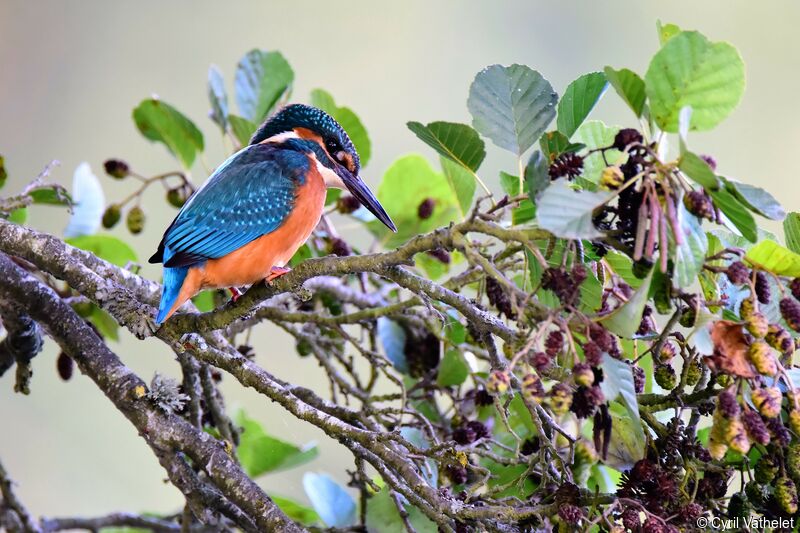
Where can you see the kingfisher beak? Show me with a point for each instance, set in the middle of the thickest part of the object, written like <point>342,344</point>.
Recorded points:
<point>362,193</point>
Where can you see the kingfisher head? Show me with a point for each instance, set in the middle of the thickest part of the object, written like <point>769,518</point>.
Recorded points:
<point>329,144</point>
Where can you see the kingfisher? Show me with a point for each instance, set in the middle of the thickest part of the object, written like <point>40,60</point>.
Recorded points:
<point>247,220</point>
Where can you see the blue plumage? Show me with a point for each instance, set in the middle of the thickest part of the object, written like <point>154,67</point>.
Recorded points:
<point>248,196</point>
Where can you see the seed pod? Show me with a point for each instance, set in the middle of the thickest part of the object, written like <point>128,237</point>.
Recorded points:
<point>665,377</point>
<point>760,354</point>
<point>755,427</point>
<point>794,420</point>
<point>65,366</point>
<point>111,216</point>
<point>177,196</point>
<point>765,470</point>
<point>560,399</point>
<point>763,292</point>
<point>532,388</point>
<point>710,161</point>
<point>303,348</point>
<point>792,460</point>
<point>626,137</point>
<point>425,209</point>
<point>498,382</point>
<point>758,325</point>
<point>790,311</point>
<point>694,373</point>
<point>746,309</point>
<point>612,178</point>
<point>794,287</point>
<point>786,495</point>
<point>738,273</point>
<point>582,374</point>
<point>727,404</point>
<point>780,339</point>
<point>667,352</point>
<point>757,493</point>
<point>736,436</point>
<point>698,204</point>
<point>116,168</point>
<point>135,220</point>
<point>347,203</point>
<point>739,506</point>
<point>569,165</point>
<point>768,401</point>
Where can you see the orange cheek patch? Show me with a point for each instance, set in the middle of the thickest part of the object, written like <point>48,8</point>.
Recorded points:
<point>348,162</point>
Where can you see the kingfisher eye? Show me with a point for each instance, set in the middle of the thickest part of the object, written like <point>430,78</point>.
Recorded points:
<point>332,145</point>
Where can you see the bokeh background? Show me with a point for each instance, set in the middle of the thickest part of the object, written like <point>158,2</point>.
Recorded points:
<point>71,72</point>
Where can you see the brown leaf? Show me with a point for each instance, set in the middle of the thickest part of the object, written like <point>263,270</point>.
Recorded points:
<point>730,350</point>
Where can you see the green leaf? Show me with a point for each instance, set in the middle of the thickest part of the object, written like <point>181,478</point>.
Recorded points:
<point>392,337</point>
<point>261,78</point>
<point>331,501</point>
<point>18,216</point>
<point>409,181</point>
<point>509,183</point>
<point>204,301</point>
<point>89,203</point>
<point>296,511</point>
<point>618,384</point>
<point>105,247</point>
<point>383,517</point>
<point>218,97</point>
<point>302,253</point>
<point>623,266</point>
<point>512,106</point>
<point>260,453</point>
<point>461,181</point>
<point>772,257</point>
<point>791,227</point>
<point>242,129</point>
<point>595,134</point>
<point>455,331</point>
<point>536,175</point>
<point>453,370</point>
<point>332,195</point>
<point>3,172</point>
<point>104,323</point>
<point>160,122</point>
<point>691,253</point>
<point>627,445</point>
<point>525,212</point>
<point>692,71</point>
<point>567,213</point>
<point>666,31</point>
<point>555,143</point>
<point>457,142</point>
<point>756,198</point>
<point>737,213</point>
<point>629,86</point>
<point>698,170</point>
<point>625,319</point>
<point>51,195</point>
<point>348,120</point>
<point>578,101</point>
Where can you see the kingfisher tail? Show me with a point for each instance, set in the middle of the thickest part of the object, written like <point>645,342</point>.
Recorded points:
<point>173,280</point>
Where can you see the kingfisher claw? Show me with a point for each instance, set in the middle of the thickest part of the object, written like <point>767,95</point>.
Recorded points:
<point>235,293</point>
<point>275,273</point>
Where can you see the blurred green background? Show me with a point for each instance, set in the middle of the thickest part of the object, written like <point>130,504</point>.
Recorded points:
<point>73,71</point>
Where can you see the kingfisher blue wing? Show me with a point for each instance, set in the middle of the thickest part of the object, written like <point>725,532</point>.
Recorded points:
<point>248,196</point>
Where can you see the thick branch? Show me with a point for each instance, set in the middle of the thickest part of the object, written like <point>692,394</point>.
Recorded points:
<point>163,432</point>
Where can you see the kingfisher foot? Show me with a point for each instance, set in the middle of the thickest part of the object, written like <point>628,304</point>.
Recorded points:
<point>275,273</point>
<point>235,293</point>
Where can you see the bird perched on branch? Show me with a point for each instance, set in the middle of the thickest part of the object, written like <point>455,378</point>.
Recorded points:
<point>259,206</point>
